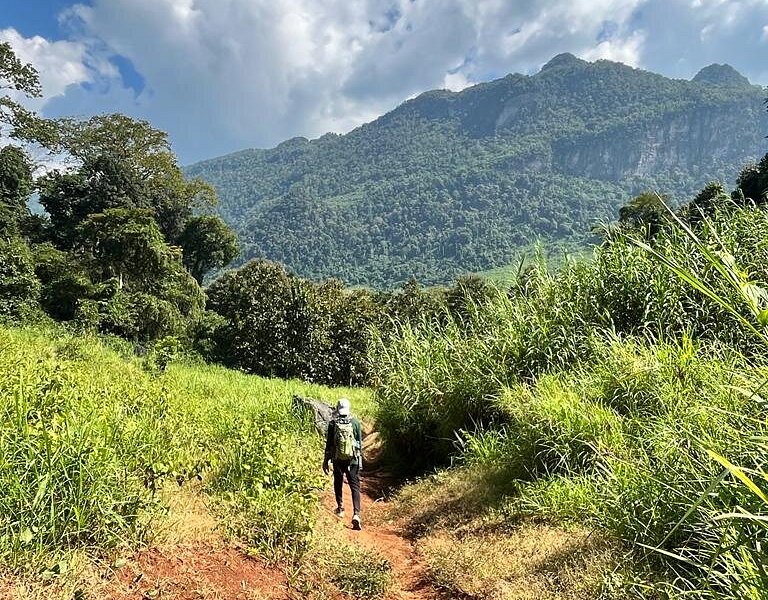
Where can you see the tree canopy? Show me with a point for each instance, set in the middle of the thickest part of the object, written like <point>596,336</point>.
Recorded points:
<point>108,254</point>
<point>19,78</point>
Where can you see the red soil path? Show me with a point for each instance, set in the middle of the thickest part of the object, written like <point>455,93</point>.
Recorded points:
<point>385,539</point>
<point>197,572</point>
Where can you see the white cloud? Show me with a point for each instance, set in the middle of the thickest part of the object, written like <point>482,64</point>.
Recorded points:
<point>223,74</point>
<point>627,51</point>
<point>456,82</point>
<point>60,64</point>
<point>220,75</point>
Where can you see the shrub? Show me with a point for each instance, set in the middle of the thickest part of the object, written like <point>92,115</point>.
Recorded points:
<point>19,287</point>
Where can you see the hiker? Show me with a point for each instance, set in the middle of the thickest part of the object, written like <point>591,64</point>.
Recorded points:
<point>344,447</point>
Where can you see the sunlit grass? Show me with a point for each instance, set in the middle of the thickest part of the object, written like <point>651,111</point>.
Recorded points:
<point>90,439</point>
<point>623,394</point>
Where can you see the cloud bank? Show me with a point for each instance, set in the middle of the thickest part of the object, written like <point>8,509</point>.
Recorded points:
<point>221,75</point>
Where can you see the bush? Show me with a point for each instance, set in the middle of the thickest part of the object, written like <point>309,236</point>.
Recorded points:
<point>19,287</point>
<point>277,324</point>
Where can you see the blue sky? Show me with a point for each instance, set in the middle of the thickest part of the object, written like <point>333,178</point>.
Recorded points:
<point>222,75</point>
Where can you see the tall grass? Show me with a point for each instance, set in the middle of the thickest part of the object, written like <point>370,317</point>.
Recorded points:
<point>88,438</point>
<point>605,392</point>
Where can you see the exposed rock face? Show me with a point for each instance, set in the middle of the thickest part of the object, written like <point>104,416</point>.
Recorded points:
<point>705,140</point>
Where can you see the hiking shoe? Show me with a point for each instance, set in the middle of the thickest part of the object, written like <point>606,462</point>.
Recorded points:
<point>357,524</point>
<point>339,512</point>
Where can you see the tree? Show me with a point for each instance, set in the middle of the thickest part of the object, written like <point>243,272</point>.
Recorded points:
<point>144,290</point>
<point>16,185</point>
<point>65,282</point>
<point>278,324</point>
<point>145,154</point>
<point>101,183</point>
<point>412,304</point>
<point>704,204</point>
<point>752,183</point>
<point>19,288</point>
<point>466,295</point>
<point>16,121</point>
<point>645,212</point>
<point>126,245</point>
<point>255,301</point>
<point>207,243</point>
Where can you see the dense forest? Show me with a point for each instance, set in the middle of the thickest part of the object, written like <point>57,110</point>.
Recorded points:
<point>450,183</point>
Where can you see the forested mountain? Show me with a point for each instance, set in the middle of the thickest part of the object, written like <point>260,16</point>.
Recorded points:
<point>454,182</point>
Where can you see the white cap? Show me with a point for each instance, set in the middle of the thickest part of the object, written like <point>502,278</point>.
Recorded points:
<point>342,407</point>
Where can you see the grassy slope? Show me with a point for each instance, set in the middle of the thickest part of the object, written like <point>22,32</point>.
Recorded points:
<point>587,466</point>
<point>89,438</point>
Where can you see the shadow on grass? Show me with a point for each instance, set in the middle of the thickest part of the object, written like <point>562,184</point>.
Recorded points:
<point>452,498</point>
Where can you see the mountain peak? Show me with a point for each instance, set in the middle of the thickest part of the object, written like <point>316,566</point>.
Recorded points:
<point>561,61</point>
<point>716,74</point>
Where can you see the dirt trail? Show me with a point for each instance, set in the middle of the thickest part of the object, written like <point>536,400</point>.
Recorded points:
<point>214,570</point>
<point>385,538</point>
<point>198,571</point>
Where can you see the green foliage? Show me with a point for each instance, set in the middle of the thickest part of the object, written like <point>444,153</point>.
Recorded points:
<point>752,183</point>
<point>706,202</point>
<point>143,153</point>
<point>165,351</point>
<point>208,243</point>
<point>278,324</point>
<point>646,213</point>
<point>114,225</point>
<point>453,183</point>
<point>413,304</point>
<point>19,288</point>
<point>434,379</point>
<point>143,290</point>
<point>21,77</point>
<point>266,489</point>
<point>89,439</point>
<point>655,484</point>
<point>125,244</point>
<point>102,183</point>
<point>600,394</point>
<point>15,187</point>
<point>65,282</point>
<point>467,295</point>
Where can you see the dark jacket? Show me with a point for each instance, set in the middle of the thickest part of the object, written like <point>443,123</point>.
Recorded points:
<point>330,440</point>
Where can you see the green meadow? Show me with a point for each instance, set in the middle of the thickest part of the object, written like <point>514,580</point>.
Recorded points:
<point>90,435</point>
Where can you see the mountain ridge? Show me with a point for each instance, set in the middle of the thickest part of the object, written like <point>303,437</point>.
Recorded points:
<point>450,182</point>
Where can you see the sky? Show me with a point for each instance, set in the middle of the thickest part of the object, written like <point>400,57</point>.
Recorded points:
<point>223,75</point>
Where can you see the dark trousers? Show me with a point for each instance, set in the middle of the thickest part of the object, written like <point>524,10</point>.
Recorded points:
<point>352,471</point>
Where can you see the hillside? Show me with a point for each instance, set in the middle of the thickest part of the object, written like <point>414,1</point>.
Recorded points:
<point>454,182</point>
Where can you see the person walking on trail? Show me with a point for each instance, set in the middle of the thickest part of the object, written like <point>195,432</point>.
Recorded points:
<point>344,447</point>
